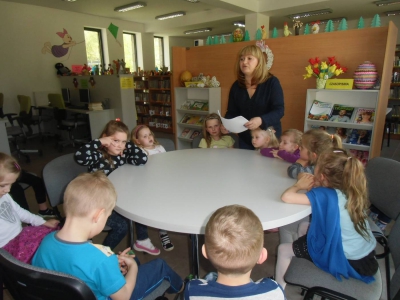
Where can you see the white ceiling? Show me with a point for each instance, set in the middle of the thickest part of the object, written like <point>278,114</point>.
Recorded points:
<point>217,14</point>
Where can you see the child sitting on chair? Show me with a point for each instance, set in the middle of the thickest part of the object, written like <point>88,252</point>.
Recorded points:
<point>264,139</point>
<point>19,242</point>
<point>234,243</point>
<point>212,135</point>
<point>288,149</point>
<point>88,201</point>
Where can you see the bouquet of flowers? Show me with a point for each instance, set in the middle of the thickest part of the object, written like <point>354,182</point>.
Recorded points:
<point>323,69</point>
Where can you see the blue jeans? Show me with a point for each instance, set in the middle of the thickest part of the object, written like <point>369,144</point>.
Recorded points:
<point>119,228</point>
<point>151,275</point>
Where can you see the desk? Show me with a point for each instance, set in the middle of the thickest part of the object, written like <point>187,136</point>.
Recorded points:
<point>179,190</point>
<point>4,145</point>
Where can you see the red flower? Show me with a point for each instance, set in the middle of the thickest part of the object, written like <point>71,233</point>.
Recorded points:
<point>344,69</point>
<point>313,61</point>
<point>331,60</point>
<point>316,71</point>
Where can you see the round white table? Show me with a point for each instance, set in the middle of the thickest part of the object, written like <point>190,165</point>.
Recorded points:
<point>179,190</point>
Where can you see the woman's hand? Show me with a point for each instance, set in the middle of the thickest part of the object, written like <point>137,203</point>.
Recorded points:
<point>254,123</point>
<point>52,223</point>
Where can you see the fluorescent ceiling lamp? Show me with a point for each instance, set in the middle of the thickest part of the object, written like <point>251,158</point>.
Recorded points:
<point>200,30</point>
<point>384,2</point>
<point>392,13</point>
<point>239,23</point>
<point>334,20</point>
<point>193,1</point>
<point>310,13</point>
<point>171,15</point>
<point>129,7</point>
<point>69,0</point>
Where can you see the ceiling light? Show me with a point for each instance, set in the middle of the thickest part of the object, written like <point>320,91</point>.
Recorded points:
<point>384,2</point>
<point>392,13</point>
<point>334,20</point>
<point>239,23</point>
<point>69,0</point>
<point>171,15</point>
<point>197,30</point>
<point>193,1</point>
<point>310,13</point>
<point>129,7</point>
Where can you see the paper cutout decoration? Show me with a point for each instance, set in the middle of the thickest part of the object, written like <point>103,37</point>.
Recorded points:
<point>376,21</point>
<point>114,31</point>
<point>360,23</point>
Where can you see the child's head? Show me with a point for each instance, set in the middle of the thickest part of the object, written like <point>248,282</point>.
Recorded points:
<point>336,168</point>
<point>314,142</point>
<point>9,172</point>
<point>87,193</point>
<point>212,128</point>
<point>290,140</point>
<point>143,137</point>
<point>234,240</point>
<point>119,132</point>
<point>261,138</point>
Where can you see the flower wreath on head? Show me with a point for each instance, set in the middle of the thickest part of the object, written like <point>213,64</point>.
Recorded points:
<point>264,48</point>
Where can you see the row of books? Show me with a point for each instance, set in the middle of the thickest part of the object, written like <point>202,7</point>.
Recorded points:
<point>140,84</point>
<point>326,111</point>
<point>153,110</point>
<point>192,119</point>
<point>188,133</point>
<point>141,96</point>
<point>195,105</point>
<point>159,84</point>
<point>155,122</point>
<point>161,97</point>
<point>350,135</point>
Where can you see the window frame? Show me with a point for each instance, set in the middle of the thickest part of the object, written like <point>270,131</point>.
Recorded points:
<point>99,33</point>
<point>135,49</point>
<point>162,50</point>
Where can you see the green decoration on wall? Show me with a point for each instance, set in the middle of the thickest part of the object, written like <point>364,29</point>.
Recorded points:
<point>208,41</point>
<point>258,34</point>
<point>231,38</point>
<point>306,29</point>
<point>216,40</point>
<point>329,26</point>
<point>342,25</point>
<point>222,41</point>
<point>274,33</point>
<point>114,31</point>
<point>360,23</point>
<point>246,36</point>
<point>376,21</point>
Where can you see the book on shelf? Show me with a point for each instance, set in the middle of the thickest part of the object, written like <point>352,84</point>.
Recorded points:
<point>194,134</point>
<point>191,119</point>
<point>359,137</point>
<point>186,105</point>
<point>320,110</point>
<point>361,155</point>
<point>186,133</point>
<point>341,113</point>
<point>364,115</point>
<point>198,105</point>
<point>95,106</point>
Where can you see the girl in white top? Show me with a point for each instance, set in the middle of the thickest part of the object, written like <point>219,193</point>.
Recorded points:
<point>144,138</point>
<point>12,215</point>
<point>212,135</point>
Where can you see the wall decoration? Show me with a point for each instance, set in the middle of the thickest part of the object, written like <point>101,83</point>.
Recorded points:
<point>296,26</point>
<point>365,75</point>
<point>376,21</point>
<point>315,27</point>
<point>258,34</point>
<point>329,27</point>
<point>264,33</point>
<point>246,36</point>
<point>208,41</point>
<point>360,23</point>
<point>342,25</point>
<point>264,48</point>
<point>238,35</point>
<point>223,40</point>
<point>63,49</point>
<point>114,31</point>
<point>286,31</point>
<point>306,29</point>
<point>323,70</point>
<point>274,33</point>
<point>216,40</point>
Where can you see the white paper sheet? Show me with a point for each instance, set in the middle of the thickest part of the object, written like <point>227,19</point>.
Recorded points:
<point>235,125</point>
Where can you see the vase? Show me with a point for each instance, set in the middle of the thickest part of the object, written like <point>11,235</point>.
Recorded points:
<point>365,76</point>
<point>321,83</point>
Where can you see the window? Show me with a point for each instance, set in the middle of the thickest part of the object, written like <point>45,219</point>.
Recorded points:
<point>130,51</point>
<point>94,47</point>
<point>159,51</point>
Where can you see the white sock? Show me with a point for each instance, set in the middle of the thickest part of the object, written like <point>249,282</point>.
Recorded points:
<point>285,254</point>
<point>146,243</point>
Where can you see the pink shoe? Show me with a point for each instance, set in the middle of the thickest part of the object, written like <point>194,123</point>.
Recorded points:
<point>272,230</point>
<point>146,246</point>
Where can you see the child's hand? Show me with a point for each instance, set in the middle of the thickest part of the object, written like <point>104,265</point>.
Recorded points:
<point>123,265</point>
<point>275,153</point>
<point>107,141</point>
<point>52,223</point>
<point>305,181</point>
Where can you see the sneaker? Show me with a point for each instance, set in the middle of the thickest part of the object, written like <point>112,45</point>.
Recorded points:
<point>165,241</point>
<point>48,213</point>
<point>146,246</point>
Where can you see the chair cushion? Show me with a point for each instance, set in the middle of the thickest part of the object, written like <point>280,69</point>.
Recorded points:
<point>304,273</point>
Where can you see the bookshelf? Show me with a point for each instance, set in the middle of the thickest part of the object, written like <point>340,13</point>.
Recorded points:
<point>392,119</point>
<point>193,104</point>
<point>354,98</point>
<point>153,99</point>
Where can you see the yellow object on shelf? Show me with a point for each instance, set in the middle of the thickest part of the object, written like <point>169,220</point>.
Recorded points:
<point>339,84</point>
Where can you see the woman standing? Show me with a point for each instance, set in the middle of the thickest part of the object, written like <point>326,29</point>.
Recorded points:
<point>256,95</point>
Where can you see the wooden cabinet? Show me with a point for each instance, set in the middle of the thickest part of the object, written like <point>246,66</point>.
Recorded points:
<point>354,98</point>
<point>153,98</point>
<point>392,119</point>
<point>194,104</point>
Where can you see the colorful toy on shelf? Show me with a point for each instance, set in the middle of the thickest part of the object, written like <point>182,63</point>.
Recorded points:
<point>286,31</point>
<point>185,77</point>
<point>61,70</point>
<point>86,70</point>
<point>238,35</point>
<point>315,27</point>
<point>365,76</point>
<point>296,26</point>
<point>264,33</point>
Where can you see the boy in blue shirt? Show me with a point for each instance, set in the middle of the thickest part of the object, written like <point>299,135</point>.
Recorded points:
<point>88,201</point>
<point>234,241</point>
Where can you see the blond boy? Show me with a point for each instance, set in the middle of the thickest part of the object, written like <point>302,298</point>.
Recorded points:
<point>88,201</point>
<point>234,240</point>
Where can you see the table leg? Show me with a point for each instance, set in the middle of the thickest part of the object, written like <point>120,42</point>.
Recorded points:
<point>195,255</point>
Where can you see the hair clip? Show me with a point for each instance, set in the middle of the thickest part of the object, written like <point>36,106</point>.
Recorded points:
<point>17,166</point>
<point>271,130</point>
<point>332,137</point>
<point>348,157</point>
<point>338,151</point>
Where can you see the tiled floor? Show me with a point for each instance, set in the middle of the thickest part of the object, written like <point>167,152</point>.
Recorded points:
<point>178,259</point>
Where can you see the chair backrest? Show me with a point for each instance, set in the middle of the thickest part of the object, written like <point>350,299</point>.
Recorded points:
<point>31,283</point>
<point>56,100</point>
<point>383,185</point>
<point>24,104</point>
<point>394,246</point>
<point>197,139</point>
<point>168,144</point>
<point>57,174</point>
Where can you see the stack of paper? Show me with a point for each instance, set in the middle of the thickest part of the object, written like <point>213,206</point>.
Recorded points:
<point>95,106</point>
